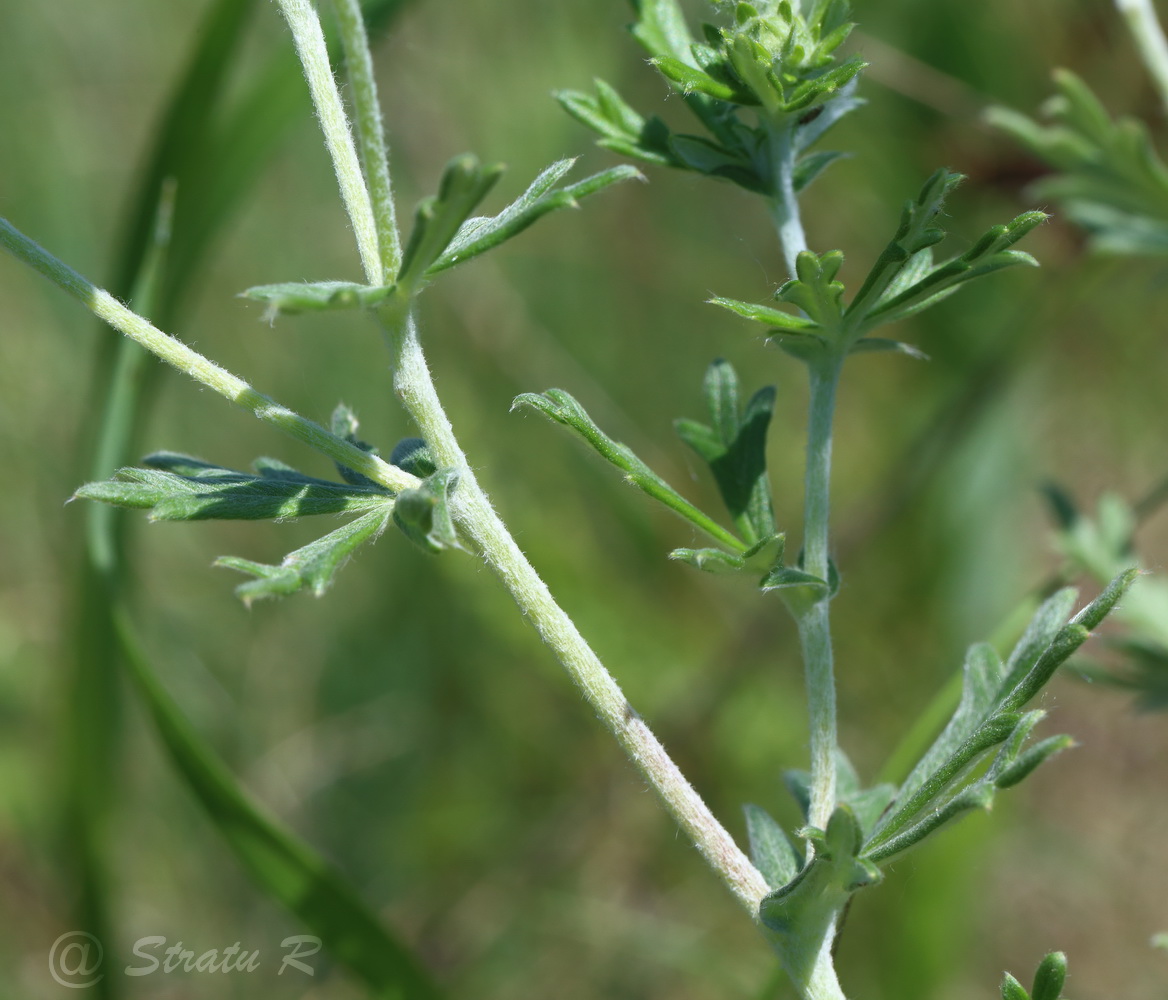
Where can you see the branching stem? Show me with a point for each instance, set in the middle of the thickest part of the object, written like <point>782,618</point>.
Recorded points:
<point>192,363</point>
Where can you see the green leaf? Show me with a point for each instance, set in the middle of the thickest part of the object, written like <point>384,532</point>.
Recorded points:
<point>785,321</point>
<point>688,79</point>
<point>867,804</point>
<point>344,425</point>
<point>1109,177</point>
<point>811,166</point>
<point>801,912</point>
<point>413,455</point>
<point>771,849</point>
<point>710,560</point>
<point>478,235</point>
<point>181,488</point>
<point>423,514</point>
<point>283,866</point>
<point>798,589</point>
<point>292,298</point>
<point>734,447</point>
<point>1050,977</point>
<point>564,409</point>
<point>938,788</point>
<point>622,129</point>
<point>869,344</point>
<point>314,566</point>
<point>1012,989</point>
<point>661,28</point>
<point>465,182</point>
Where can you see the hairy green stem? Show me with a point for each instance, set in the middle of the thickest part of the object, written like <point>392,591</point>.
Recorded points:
<point>190,362</point>
<point>370,133</point>
<point>815,622</point>
<point>784,201</point>
<point>1145,27</point>
<point>310,47</point>
<point>476,516</point>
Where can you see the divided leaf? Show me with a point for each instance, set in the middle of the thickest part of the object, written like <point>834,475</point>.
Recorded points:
<point>946,782</point>
<point>564,409</point>
<point>314,566</point>
<point>734,447</point>
<point>292,298</point>
<point>181,488</point>
<point>478,235</point>
<point>1110,179</point>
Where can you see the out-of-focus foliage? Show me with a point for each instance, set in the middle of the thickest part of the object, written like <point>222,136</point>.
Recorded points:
<point>443,763</point>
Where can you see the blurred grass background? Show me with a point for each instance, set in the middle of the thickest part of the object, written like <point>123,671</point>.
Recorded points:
<point>409,724</point>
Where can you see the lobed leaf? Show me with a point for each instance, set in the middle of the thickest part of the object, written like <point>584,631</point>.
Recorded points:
<point>478,235</point>
<point>181,488</point>
<point>292,298</point>
<point>564,409</point>
<point>314,566</point>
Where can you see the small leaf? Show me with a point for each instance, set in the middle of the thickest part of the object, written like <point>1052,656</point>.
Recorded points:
<point>413,455</point>
<point>811,166</point>
<point>688,79</point>
<point>1050,977</point>
<point>314,566</point>
<point>423,514</point>
<point>798,588</point>
<point>564,409</point>
<point>464,184</point>
<point>785,321</point>
<point>478,235</point>
<point>1012,989</point>
<point>771,850</point>
<point>292,298</point>
<point>188,489</point>
<point>867,344</point>
<point>1026,762</point>
<point>344,425</point>
<point>710,560</point>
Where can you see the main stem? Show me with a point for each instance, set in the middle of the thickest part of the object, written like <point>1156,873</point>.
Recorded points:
<point>814,622</point>
<point>478,519</point>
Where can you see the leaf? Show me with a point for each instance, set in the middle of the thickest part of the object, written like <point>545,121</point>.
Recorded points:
<point>344,425</point>
<point>798,589</point>
<point>181,488</point>
<point>734,447</point>
<point>867,804</point>
<point>785,321</point>
<point>1109,177</point>
<point>292,298</point>
<point>465,182</point>
<point>661,28</point>
<point>314,566</point>
<point>1012,989</point>
<point>413,455</point>
<point>710,560</point>
<point>283,866</point>
<point>811,166</point>
<point>868,344</point>
<point>938,788</point>
<point>771,850</point>
<point>564,409</point>
<point>478,235</point>
<point>621,128</point>
<point>1050,977</point>
<point>802,911</point>
<point>423,514</point>
<point>689,79</point>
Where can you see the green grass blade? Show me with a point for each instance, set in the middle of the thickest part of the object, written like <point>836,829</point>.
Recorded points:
<point>281,864</point>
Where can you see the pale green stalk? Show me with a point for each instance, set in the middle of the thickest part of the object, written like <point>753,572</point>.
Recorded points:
<point>310,47</point>
<point>1149,37</point>
<point>815,622</point>
<point>190,362</point>
<point>370,133</point>
<point>784,201</point>
<point>477,518</point>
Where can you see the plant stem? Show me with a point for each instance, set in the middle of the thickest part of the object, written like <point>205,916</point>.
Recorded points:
<point>476,516</point>
<point>310,47</point>
<point>784,201</point>
<point>815,622</point>
<point>190,362</point>
<point>370,133</point>
<point>1149,37</point>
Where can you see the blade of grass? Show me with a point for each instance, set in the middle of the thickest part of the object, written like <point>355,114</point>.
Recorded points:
<point>281,864</point>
